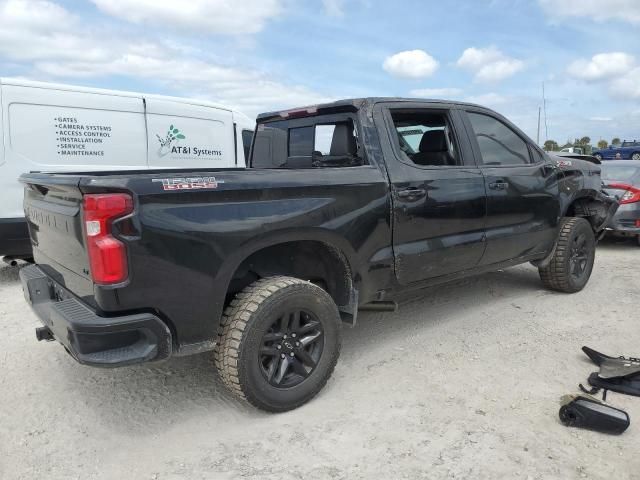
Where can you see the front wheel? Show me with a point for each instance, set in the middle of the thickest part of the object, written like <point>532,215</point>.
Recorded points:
<point>635,156</point>
<point>279,343</point>
<point>572,262</point>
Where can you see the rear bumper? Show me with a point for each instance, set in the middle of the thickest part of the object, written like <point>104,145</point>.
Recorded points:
<point>89,338</point>
<point>14,238</point>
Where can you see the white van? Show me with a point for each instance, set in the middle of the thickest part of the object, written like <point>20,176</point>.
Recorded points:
<point>49,127</point>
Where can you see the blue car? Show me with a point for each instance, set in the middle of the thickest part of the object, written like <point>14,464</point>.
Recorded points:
<point>627,151</point>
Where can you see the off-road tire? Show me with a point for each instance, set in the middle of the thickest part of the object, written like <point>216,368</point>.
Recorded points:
<point>244,323</point>
<point>557,275</point>
<point>635,156</point>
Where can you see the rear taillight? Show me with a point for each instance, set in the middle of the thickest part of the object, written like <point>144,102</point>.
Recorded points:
<point>107,254</point>
<point>631,194</point>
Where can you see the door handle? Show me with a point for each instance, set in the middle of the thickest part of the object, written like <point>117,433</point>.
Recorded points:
<point>412,193</point>
<point>500,185</point>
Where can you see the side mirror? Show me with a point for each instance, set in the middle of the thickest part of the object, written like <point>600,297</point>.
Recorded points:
<point>589,413</point>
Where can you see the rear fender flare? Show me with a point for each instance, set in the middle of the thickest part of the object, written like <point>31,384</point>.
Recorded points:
<point>332,240</point>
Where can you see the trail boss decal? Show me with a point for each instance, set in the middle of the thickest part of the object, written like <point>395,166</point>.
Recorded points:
<point>170,144</point>
<point>188,183</point>
<point>564,163</point>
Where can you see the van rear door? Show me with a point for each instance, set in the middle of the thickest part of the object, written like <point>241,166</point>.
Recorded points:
<point>59,129</point>
<point>181,135</point>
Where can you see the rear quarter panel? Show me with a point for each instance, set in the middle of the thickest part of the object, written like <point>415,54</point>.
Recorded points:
<point>579,179</point>
<point>187,244</point>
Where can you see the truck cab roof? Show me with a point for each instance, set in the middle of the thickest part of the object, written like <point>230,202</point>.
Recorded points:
<point>352,104</point>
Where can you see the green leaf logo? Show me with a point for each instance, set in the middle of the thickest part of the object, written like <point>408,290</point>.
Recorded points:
<point>172,134</point>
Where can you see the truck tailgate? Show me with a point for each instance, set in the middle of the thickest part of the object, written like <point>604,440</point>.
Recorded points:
<point>52,205</point>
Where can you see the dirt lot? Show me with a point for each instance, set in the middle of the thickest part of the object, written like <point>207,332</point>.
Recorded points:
<point>462,382</point>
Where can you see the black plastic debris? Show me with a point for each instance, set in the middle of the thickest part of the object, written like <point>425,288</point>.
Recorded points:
<point>590,413</point>
<point>618,374</point>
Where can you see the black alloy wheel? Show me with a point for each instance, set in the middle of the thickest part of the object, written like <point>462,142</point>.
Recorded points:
<point>278,343</point>
<point>291,349</point>
<point>571,263</point>
<point>579,256</point>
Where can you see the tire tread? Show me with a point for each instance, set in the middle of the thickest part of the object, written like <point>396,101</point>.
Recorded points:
<point>555,275</point>
<point>235,320</point>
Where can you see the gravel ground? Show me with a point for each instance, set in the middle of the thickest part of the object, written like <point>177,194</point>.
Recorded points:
<point>461,382</point>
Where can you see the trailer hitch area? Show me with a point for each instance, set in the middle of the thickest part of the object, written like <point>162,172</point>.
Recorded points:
<point>44,333</point>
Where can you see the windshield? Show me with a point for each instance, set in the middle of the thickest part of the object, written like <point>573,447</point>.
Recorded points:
<point>621,172</point>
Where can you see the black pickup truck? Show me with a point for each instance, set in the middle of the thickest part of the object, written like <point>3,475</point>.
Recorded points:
<point>342,207</point>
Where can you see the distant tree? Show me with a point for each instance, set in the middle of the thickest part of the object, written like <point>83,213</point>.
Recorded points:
<point>551,146</point>
<point>585,141</point>
<point>602,144</point>
<point>616,141</point>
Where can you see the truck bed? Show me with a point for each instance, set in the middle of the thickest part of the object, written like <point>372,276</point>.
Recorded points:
<point>183,244</point>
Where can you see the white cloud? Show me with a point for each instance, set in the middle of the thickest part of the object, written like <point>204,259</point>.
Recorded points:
<point>627,86</point>
<point>247,90</point>
<point>56,45</point>
<point>600,119</point>
<point>333,8</point>
<point>602,66</point>
<point>598,10</point>
<point>489,64</point>
<point>411,64</point>
<point>210,16</point>
<point>488,99</point>
<point>436,92</point>
<point>36,29</point>
<point>620,72</point>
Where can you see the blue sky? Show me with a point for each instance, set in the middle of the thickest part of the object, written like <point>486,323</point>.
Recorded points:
<point>258,55</point>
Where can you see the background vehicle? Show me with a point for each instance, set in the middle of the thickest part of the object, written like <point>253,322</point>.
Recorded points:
<point>340,209</point>
<point>622,179</point>
<point>577,150</point>
<point>626,151</point>
<point>65,128</point>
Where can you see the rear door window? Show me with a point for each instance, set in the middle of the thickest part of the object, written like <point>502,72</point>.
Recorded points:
<point>537,155</point>
<point>499,144</point>
<point>426,138</point>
